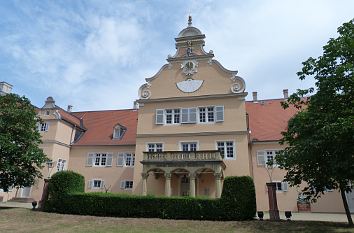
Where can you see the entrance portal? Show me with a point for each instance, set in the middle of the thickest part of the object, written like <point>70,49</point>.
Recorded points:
<point>350,199</point>
<point>184,186</point>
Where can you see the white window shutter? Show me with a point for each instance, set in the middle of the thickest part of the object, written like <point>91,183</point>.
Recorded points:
<point>260,158</point>
<point>219,113</point>
<point>120,160</point>
<point>133,160</point>
<point>109,160</point>
<point>193,115</point>
<point>184,112</point>
<point>89,160</point>
<point>89,184</point>
<point>159,116</point>
<point>284,186</point>
<point>46,126</point>
<point>102,184</point>
<point>122,184</point>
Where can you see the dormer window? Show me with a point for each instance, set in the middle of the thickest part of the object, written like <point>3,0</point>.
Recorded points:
<point>119,131</point>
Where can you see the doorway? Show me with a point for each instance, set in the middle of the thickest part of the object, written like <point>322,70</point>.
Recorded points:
<point>184,188</point>
<point>26,192</point>
<point>350,200</point>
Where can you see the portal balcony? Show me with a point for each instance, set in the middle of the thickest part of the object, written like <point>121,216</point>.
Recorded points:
<point>182,156</point>
<point>182,165</point>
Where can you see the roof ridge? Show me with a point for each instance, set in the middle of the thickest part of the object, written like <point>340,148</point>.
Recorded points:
<point>109,110</point>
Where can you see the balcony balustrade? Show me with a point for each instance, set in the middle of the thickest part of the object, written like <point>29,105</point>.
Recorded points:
<point>205,155</point>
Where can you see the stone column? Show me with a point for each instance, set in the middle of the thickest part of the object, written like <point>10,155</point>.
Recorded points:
<point>218,184</point>
<point>192,178</point>
<point>168,177</point>
<point>273,204</point>
<point>144,176</point>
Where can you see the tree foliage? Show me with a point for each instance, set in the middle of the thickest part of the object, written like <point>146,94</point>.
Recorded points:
<point>320,137</point>
<point>20,156</point>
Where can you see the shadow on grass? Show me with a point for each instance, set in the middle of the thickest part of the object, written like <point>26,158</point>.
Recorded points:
<point>299,226</point>
<point>6,207</point>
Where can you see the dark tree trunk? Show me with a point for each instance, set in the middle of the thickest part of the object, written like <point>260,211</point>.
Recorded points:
<point>346,207</point>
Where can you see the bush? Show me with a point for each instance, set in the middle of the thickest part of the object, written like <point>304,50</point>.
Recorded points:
<point>239,198</point>
<point>65,182</point>
<point>233,205</point>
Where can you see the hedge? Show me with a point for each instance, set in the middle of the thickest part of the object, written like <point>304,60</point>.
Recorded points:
<point>65,182</point>
<point>238,203</point>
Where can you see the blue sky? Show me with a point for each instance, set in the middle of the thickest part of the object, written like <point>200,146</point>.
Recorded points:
<point>94,55</point>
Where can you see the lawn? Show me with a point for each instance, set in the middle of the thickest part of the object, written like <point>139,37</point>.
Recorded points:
<point>25,220</point>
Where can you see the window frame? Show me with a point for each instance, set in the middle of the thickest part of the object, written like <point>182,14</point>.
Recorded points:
<point>121,131</point>
<point>127,184</point>
<point>180,144</point>
<point>155,149</point>
<point>61,164</point>
<point>225,147</point>
<point>281,186</point>
<point>265,157</point>
<point>93,183</point>
<point>45,128</point>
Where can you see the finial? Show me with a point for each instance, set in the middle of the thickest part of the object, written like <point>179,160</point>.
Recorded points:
<point>189,21</point>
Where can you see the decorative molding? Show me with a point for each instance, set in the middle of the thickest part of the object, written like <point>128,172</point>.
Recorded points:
<point>242,132</point>
<point>157,74</point>
<point>144,91</point>
<point>183,98</point>
<point>189,67</point>
<point>239,84</point>
<point>56,142</point>
<point>232,72</point>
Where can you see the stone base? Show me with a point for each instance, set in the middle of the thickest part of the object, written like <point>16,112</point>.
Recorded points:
<point>274,215</point>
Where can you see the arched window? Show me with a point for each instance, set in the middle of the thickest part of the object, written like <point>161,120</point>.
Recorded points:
<point>118,131</point>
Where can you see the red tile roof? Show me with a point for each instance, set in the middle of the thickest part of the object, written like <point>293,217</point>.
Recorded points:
<point>267,119</point>
<point>100,124</point>
<point>69,117</point>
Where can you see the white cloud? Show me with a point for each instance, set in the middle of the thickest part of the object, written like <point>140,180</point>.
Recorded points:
<point>95,55</point>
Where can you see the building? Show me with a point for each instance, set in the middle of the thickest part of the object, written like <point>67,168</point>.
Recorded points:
<point>191,128</point>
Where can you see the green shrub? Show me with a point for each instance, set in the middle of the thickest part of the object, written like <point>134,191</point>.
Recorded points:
<point>235,204</point>
<point>65,182</point>
<point>238,198</point>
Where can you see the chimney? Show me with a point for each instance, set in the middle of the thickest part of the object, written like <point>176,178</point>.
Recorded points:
<point>254,94</point>
<point>5,88</point>
<point>285,93</point>
<point>49,103</point>
<point>70,108</point>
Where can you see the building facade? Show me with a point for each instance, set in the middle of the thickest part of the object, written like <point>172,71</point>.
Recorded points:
<point>191,128</point>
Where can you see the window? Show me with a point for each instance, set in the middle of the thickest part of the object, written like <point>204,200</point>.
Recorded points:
<point>189,115</point>
<point>206,114</point>
<point>189,146</point>
<point>281,186</point>
<point>126,160</point>
<point>226,149</point>
<point>61,165</point>
<point>99,160</point>
<point>43,127</point>
<point>118,132</point>
<point>264,156</point>
<point>126,184</point>
<point>155,147</point>
<point>96,184</point>
<point>172,116</point>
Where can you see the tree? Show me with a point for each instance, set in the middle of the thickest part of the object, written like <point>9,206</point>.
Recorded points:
<point>20,157</point>
<point>320,137</point>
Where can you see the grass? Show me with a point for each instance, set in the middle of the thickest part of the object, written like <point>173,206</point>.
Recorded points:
<point>25,220</point>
